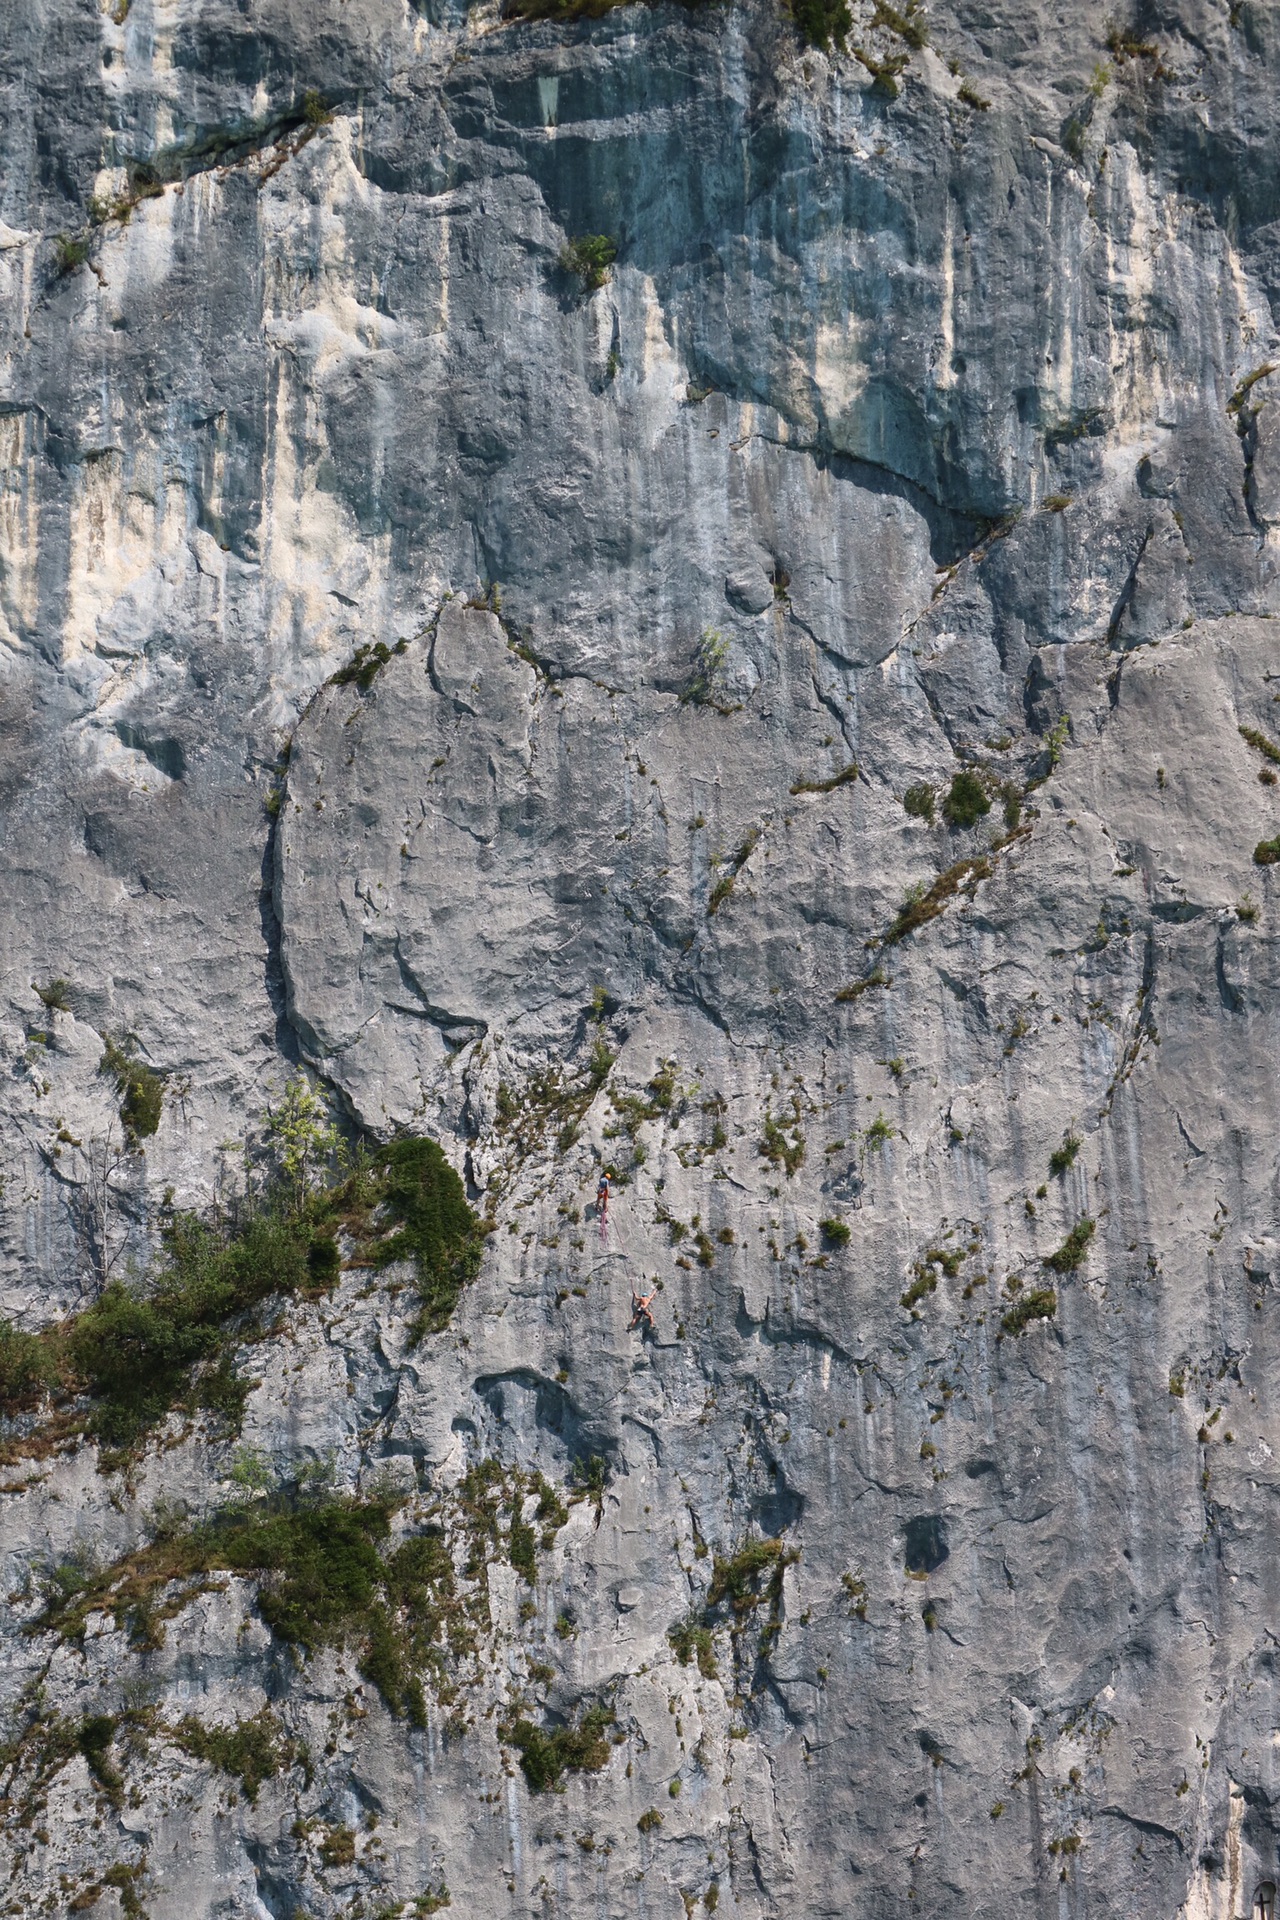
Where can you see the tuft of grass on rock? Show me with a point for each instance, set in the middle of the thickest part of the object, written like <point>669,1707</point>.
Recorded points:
<point>1042,1304</point>
<point>546,1754</point>
<point>1074,1249</point>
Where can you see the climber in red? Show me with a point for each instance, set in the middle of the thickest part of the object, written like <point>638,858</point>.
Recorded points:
<point>642,1310</point>
<point>602,1197</point>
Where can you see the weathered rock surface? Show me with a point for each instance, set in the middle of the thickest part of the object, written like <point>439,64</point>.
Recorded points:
<point>910,432</point>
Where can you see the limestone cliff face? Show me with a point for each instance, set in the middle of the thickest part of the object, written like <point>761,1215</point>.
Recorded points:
<point>494,695</point>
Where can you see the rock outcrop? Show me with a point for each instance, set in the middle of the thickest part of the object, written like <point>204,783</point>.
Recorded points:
<point>778,705</point>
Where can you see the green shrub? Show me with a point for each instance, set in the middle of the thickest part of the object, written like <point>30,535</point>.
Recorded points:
<point>703,685</point>
<point>649,1820</point>
<point>1261,743</point>
<point>779,1149</point>
<point>434,1225</point>
<point>135,1351</point>
<point>966,802</point>
<point>142,1349</point>
<point>326,1575</point>
<point>251,1751</point>
<point>925,1283</point>
<point>338,1848</point>
<point>859,1594</point>
<point>590,1477</point>
<point>822,23</point>
<point>1266,853</point>
<point>750,1576</point>
<point>1059,733</point>
<point>57,995</point>
<point>1071,1254</point>
<point>545,1755</point>
<point>918,801</point>
<point>367,662</point>
<point>27,1367</point>
<point>522,1550</point>
<point>689,1641</point>
<point>71,252</point>
<point>589,258</point>
<point>1042,1304</point>
<point>559,9</point>
<point>321,1563</point>
<point>884,72</point>
<point>834,1232</point>
<point>94,1740</point>
<point>550,1510</point>
<point>1064,1157</point>
<point>737,860</point>
<point>141,1091</point>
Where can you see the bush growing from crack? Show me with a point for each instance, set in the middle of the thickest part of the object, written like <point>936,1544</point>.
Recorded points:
<point>825,24</point>
<point>1064,1157</point>
<point>737,861</point>
<point>750,1577</point>
<point>966,801</point>
<point>140,1350</point>
<point>590,1476</point>
<point>702,686</point>
<point>141,1090</point>
<point>327,1574</point>
<point>1074,1249</point>
<point>779,1149</point>
<point>876,978</point>
<point>845,778</point>
<point>365,664</point>
<point>1041,1304</point>
<point>690,1641</point>
<point>926,904</point>
<point>27,1367</point>
<point>434,1226</point>
<point>589,258</point>
<point>71,252</point>
<point>546,1754</point>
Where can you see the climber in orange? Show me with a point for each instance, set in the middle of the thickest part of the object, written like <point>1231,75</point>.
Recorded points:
<point>642,1310</point>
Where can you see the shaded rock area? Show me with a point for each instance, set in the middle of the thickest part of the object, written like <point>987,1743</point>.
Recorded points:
<point>794,724</point>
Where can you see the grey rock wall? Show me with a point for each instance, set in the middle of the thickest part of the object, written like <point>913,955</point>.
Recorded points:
<point>907,434</point>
